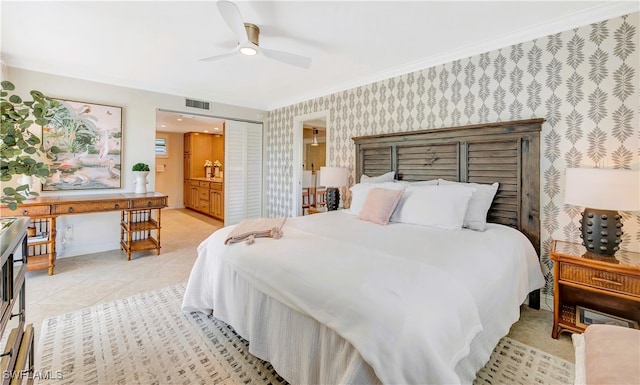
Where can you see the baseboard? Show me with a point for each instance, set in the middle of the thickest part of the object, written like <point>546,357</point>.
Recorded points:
<point>93,248</point>
<point>546,302</point>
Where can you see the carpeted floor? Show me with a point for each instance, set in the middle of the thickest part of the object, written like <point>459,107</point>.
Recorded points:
<point>147,339</point>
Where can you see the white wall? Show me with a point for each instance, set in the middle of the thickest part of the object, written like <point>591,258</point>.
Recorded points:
<point>100,232</point>
<point>169,180</point>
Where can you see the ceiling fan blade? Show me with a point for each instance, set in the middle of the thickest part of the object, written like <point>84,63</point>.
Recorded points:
<point>218,57</point>
<point>289,58</point>
<point>231,15</point>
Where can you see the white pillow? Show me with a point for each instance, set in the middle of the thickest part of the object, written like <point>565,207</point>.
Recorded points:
<point>360,191</point>
<point>432,182</point>
<point>388,177</point>
<point>442,207</point>
<point>479,204</point>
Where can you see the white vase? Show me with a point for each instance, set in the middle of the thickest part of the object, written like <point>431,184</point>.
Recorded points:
<point>141,181</point>
<point>28,180</point>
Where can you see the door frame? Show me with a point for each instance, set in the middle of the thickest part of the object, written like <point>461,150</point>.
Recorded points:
<point>298,143</point>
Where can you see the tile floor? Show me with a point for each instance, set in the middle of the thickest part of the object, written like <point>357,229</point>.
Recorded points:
<point>87,280</point>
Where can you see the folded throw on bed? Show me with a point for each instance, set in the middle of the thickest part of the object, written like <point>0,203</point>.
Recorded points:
<point>249,229</point>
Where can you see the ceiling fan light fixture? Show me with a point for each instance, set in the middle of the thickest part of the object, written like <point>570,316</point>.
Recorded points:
<point>248,51</point>
<point>248,37</point>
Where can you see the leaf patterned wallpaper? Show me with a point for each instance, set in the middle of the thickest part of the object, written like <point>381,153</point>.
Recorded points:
<point>584,82</point>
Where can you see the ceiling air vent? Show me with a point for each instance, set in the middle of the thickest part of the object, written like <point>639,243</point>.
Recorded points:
<point>197,104</point>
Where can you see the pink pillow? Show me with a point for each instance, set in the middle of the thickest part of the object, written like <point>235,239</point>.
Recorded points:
<point>379,205</point>
<point>611,354</point>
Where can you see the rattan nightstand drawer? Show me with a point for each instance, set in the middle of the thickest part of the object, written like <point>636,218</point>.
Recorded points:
<point>621,283</point>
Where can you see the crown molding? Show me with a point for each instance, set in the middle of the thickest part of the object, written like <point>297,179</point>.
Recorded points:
<point>557,25</point>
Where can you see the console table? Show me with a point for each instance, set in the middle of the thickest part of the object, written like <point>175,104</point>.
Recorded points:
<point>139,224</point>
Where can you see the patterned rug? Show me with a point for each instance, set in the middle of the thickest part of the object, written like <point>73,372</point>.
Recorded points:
<point>147,339</point>
<point>515,363</point>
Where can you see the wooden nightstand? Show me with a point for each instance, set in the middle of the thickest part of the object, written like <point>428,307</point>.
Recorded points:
<point>608,285</point>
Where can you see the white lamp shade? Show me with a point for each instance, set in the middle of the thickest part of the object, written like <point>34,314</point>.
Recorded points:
<point>334,176</point>
<point>307,179</point>
<point>604,189</point>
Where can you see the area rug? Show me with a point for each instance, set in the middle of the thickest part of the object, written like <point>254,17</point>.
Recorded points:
<point>515,363</point>
<point>147,339</point>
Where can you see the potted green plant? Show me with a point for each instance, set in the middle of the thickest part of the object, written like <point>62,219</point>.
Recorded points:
<point>141,170</point>
<point>140,167</point>
<point>21,151</point>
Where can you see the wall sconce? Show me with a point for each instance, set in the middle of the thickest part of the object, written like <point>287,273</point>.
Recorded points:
<point>602,192</point>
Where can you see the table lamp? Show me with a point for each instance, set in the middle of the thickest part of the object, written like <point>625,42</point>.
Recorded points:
<point>602,192</point>
<point>333,178</point>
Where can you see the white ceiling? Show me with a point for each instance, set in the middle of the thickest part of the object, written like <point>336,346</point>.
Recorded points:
<point>170,121</point>
<point>155,45</point>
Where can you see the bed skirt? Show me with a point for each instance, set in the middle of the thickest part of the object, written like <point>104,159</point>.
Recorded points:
<point>304,351</point>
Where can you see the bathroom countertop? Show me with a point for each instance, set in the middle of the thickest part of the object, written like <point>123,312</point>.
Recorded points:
<point>216,180</point>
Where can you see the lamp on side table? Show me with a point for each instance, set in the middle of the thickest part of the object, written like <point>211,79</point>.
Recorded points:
<point>333,178</point>
<point>602,192</point>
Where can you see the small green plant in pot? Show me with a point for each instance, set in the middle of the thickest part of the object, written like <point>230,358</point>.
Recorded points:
<point>20,149</point>
<point>140,167</point>
<point>141,170</point>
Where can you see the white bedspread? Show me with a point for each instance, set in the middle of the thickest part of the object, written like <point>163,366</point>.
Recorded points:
<point>410,299</point>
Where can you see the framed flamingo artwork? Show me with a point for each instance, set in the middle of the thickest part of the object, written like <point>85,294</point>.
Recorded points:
<point>88,141</point>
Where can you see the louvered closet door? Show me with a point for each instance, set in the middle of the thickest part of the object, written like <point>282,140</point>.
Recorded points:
<point>242,171</point>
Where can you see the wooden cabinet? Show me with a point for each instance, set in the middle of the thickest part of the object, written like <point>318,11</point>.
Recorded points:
<point>187,143</point>
<point>194,194</point>
<point>198,148</point>
<point>218,150</point>
<point>17,354</point>
<point>216,201</point>
<point>206,197</point>
<point>186,188</point>
<point>187,166</point>
<point>203,197</point>
<point>605,284</point>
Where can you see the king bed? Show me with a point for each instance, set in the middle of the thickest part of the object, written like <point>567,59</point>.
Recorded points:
<point>339,299</point>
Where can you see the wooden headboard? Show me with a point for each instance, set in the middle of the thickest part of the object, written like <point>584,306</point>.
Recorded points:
<point>505,152</point>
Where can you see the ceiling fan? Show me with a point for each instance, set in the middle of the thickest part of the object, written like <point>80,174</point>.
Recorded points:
<point>247,35</point>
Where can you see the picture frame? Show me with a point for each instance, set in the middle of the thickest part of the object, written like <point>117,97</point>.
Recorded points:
<point>586,317</point>
<point>89,139</point>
